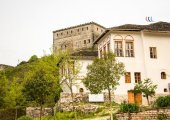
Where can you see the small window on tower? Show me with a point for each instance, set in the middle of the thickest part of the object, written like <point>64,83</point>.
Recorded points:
<point>84,41</point>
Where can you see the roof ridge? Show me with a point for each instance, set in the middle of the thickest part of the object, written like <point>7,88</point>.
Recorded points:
<point>78,26</point>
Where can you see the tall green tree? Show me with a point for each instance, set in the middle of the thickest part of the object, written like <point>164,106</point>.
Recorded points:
<point>104,74</point>
<point>38,88</point>
<point>146,87</point>
<point>42,81</point>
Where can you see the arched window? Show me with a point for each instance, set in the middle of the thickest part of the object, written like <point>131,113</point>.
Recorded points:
<point>81,90</point>
<point>118,46</point>
<point>163,75</point>
<point>129,46</point>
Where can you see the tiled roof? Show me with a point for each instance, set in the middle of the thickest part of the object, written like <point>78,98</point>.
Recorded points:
<point>85,53</point>
<point>159,26</point>
<point>79,26</point>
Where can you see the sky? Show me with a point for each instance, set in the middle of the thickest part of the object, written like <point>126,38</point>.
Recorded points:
<point>26,26</point>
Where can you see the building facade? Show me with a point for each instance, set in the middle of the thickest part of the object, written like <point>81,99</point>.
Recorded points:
<point>77,37</point>
<point>142,48</point>
<point>144,52</point>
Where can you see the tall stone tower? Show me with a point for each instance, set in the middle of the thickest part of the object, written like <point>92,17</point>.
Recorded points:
<point>77,37</point>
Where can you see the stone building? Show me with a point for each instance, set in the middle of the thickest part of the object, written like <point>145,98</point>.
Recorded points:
<point>77,37</point>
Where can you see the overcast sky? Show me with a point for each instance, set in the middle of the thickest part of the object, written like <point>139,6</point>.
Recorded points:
<point>26,25</point>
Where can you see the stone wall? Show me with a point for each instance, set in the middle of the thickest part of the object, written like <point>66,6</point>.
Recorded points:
<point>146,115</point>
<point>76,37</point>
<point>35,111</point>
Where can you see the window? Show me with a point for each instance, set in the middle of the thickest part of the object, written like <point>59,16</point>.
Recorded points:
<point>137,77</point>
<point>67,32</point>
<point>165,90</point>
<point>84,41</point>
<point>118,49</point>
<point>97,29</point>
<point>89,40</point>
<point>61,33</point>
<point>127,77</point>
<point>87,28</point>
<point>71,31</point>
<point>153,52</point>
<point>77,30</point>
<point>129,49</point>
<point>163,75</point>
<point>82,29</point>
<point>108,46</point>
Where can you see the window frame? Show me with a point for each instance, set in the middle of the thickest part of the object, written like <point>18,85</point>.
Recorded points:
<point>118,51</point>
<point>153,52</point>
<point>127,77</point>
<point>163,75</point>
<point>137,78</point>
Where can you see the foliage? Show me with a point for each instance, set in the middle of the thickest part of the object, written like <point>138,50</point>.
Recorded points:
<point>38,87</point>
<point>128,107</point>
<point>12,113</point>
<point>162,116</point>
<point>104,73</point>
<point>25,118</point>
<point>146,87</point>
<point>12,80</point>
<point>64,116</point>
<point>163,101</point>
<point>3,88</point>
<point>33,58</point>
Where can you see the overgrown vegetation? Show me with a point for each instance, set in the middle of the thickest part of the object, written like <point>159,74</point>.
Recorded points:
<point>129,108</point>
<point>163,101</point>
<point>25,118</point>
<point>162,116</point>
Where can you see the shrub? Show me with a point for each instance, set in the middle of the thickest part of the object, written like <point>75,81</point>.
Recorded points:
<point>71,115</point>
<point>162,116</point>
<point>25,118</point>
<point>127,107</point>
<point>163,101</point>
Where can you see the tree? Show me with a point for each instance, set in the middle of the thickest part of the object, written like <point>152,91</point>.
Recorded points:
<point>42,81</point>
<point>146,87</point>
<point>104,73</point>
<point>38,88</point>
<point>69,69</point>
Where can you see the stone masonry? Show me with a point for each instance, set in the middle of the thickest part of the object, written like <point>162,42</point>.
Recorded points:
<point>76,37</point>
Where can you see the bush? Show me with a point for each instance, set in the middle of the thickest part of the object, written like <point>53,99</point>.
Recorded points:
<point>163,101</point>
<point>127,107</point>
<point>162,116</point>
<point>25,118</point>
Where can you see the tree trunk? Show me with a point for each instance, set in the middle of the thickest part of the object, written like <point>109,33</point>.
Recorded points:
<point>110,100</point>
<point>147,97</point>
<point>72,97</point>
<point>16,114</point>
<point>40,111</point>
